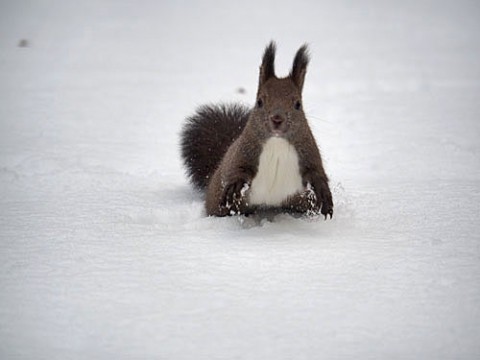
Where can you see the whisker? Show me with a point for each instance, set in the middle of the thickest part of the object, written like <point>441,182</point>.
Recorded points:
<point>323,120</point>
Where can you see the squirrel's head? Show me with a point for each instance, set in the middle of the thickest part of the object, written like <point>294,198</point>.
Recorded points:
<point>278,109</point>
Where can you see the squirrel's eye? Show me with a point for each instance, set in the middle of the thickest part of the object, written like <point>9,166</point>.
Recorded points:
<point>259,103</point>
<point>298,105</point>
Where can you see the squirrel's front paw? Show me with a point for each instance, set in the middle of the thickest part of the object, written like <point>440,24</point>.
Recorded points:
<point>323,197</point>
<point>233,195</point>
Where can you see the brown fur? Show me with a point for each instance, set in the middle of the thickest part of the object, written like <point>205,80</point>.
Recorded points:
<point>278,112</point>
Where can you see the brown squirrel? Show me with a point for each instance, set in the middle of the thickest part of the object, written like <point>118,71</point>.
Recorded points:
<point>263,158</point>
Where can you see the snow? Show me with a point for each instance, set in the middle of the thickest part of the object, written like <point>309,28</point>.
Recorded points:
<point>105,251</point>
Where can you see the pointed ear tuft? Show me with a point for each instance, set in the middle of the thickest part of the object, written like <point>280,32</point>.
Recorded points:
<point>299,68</point>
<point>267,69</point>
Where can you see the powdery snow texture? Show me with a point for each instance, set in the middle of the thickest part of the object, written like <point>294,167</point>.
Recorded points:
<point>105,251</point>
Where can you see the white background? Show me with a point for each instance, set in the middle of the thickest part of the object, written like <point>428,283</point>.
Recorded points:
<point>105,250</point>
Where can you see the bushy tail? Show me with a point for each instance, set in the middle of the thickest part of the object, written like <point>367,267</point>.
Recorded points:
<point>206,137</point>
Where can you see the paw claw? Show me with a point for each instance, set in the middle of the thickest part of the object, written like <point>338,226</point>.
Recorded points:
<point>330,212</point>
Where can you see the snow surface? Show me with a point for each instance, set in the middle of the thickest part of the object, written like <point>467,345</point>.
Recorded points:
<point>105,251</point>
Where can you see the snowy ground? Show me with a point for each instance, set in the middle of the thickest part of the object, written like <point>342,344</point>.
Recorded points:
<point>105,252</point>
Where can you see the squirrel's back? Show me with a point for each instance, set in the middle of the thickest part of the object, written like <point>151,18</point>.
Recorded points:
<point>206,137</point>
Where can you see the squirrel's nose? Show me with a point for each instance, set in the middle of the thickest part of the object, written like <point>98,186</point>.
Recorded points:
<point>277,119</point>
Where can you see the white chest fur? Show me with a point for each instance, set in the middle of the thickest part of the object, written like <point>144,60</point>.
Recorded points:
<point>278,174</point>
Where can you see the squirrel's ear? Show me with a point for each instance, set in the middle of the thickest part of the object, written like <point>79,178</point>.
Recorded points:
<point>299,68</point>
<point>267,69</point>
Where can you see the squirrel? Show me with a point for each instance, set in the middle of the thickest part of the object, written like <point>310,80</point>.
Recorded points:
<point>248,160</point>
